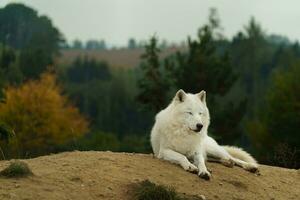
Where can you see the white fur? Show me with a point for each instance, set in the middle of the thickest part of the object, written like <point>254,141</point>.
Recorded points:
<point>175,137</point>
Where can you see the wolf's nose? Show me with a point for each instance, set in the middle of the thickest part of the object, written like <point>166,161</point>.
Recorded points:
<point>199,126</point>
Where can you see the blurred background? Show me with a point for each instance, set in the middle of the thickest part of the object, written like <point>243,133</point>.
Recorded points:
<point>90,75</point>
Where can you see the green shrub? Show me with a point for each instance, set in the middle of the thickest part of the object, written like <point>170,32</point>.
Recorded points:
<point>16,169</point>
<point>135,143</point>
<point>147,190</point>
<point>99,141</point>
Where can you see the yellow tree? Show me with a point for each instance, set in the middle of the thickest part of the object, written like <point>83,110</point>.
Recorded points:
<point>40,116</point>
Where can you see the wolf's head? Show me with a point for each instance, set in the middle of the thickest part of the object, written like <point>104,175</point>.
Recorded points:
<point>191,112</point>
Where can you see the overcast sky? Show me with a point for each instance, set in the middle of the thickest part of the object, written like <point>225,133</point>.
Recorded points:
<point>117,20</point>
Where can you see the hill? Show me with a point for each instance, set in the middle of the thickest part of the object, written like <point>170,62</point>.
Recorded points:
<point>106,175</point>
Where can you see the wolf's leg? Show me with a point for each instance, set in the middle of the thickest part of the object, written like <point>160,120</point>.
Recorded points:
<point>247,166</point>
<point>216,153</point>
<point>225,162</point>
<point>230,161</point>
<point>200,163</point>
<point>177,158</point>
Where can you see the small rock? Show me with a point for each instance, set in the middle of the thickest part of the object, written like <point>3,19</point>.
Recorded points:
<point>17,186</point>
<point>75,178</point>
<point>48,189</point>
<point>283,181</point>
<point>202,197</point>
<point>220,183</point>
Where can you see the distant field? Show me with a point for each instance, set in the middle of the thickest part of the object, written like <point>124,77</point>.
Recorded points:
<point>125,58</point>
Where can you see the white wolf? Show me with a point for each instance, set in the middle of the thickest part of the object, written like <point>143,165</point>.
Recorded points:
<point>180,134</point>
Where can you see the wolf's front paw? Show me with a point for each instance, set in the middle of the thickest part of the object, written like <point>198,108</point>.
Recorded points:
<point>209,170</point>
<point>191,168</point>
<point>252,168</point>
<point>204,174</point>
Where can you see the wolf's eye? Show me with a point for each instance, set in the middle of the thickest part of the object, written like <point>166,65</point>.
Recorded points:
<point>200,113</point>
<point>190,113</point>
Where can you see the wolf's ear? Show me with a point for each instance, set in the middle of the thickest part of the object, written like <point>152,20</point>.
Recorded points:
<point>202,96</point>
<point>180,96</point>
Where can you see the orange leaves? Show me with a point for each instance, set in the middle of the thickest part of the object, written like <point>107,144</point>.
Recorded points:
<point>41,116</point>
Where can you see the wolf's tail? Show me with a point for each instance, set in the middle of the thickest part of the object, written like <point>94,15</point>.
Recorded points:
<point>240,154</point>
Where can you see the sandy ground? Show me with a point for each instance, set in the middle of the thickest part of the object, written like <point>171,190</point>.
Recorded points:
<point>107,175</point>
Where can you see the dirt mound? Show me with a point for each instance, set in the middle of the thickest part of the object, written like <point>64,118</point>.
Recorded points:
<point>107,175</point>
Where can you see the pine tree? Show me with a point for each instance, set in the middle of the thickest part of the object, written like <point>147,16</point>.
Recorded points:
<point>205,66</point>
<point>153,84</point>
<point>278,121</point>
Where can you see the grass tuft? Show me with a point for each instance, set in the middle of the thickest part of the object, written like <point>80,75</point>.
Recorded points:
<point>147,190</point>
<point>16,169</point>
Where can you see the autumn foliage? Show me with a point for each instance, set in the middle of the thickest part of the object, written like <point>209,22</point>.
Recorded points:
<point>40,117</point>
